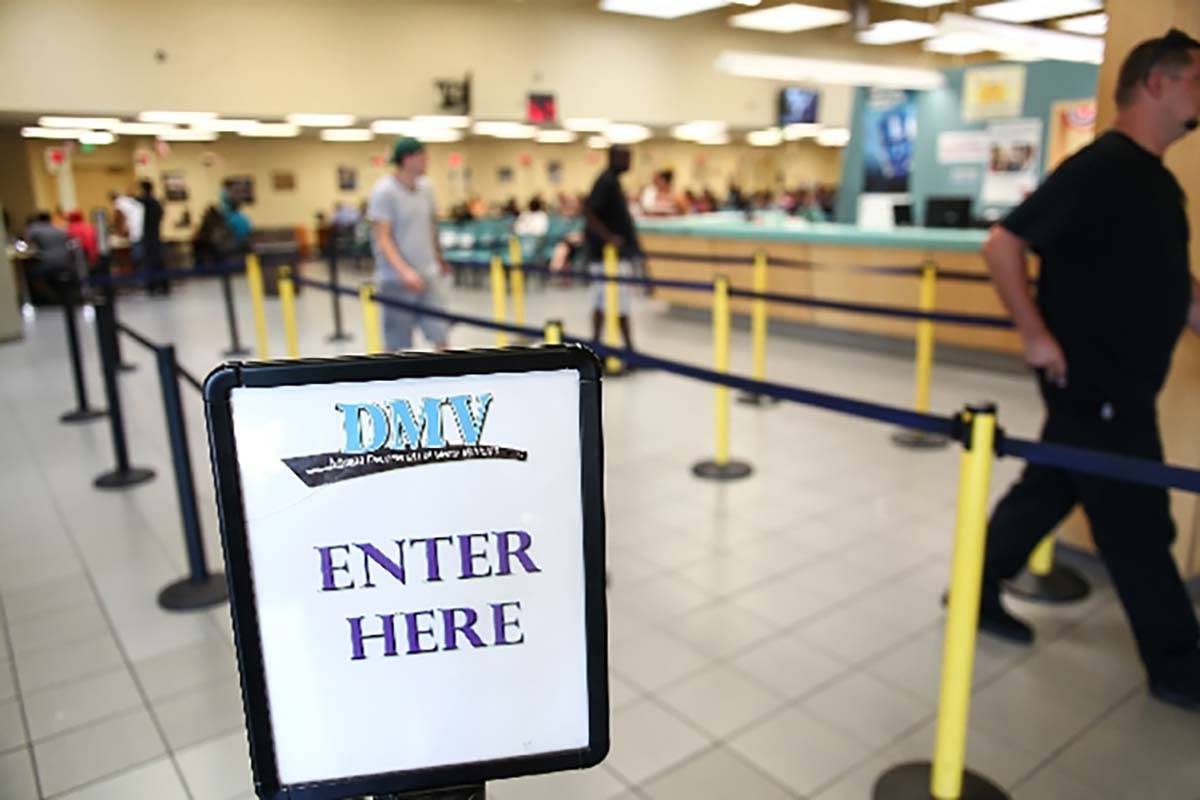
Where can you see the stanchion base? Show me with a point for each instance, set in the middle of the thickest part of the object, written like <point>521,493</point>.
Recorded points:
<point>911,782</point>
<point>751,399</point>
<point>120,480</point>
<point>82,415</point>
<point>729,471</point>
<point>339,337</point>
<point>186,594</point>
<point>235,352</point>
<point>1062,585</point>
<point>919,440</point>
<point>127,367</point>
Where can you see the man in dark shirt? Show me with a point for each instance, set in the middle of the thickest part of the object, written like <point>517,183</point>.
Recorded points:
<point>609,222</point>
<point>1114,294</point>
<point>152,260</point>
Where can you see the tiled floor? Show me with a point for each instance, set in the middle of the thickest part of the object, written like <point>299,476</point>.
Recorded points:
<point>774,638</point>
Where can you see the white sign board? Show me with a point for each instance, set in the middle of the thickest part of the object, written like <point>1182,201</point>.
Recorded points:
<point>417,550</point>
<point>1014,159</point>
<point>962,147</point>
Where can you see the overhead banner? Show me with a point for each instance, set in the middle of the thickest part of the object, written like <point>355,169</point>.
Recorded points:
<point>993,92</point>
<point>889,137</point>
<point>1014,150</point>
<point>416,553</point>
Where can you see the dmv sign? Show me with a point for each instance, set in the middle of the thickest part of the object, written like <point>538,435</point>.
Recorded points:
<point>416,557</point>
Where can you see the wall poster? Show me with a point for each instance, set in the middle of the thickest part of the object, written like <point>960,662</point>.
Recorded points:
<point>993,92</point>
<point>889,137</point>
<point>174,186</point>
<point>347,178</point>
<point>1014,150</point>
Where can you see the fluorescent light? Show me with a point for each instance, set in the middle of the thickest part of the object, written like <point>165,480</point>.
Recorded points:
<point>1024,40</point>
<point>1088,25</point>
<point>556,137</point>
<point>503,129</point>
<point>104,123</point>
<point>96,137</point>
<point>176,117</point>
<point>790,18</point>
<point>225,125</point>
<point>661,9</point>
<point>347,135</point>
<point>722,138</point>
<point>626,133</point>
<point>51,133</point>
<point>598,143</point>
<point>834,137</point>
<point>1021,11</point>
<point>768,137</point>
<point>142,128</point>
<point>816,70</point>
<point>801,130</point>
<point>699,129</point>
<point>921,3</point>
<point>895,31</point>
<point>187,135</point>
<point>279,130</point>
<point>397,127</point>
<point>957,44</point>
<point>433,135</point>
<point>321,120</point>
<point>442,121</point>
<point>586,124</point>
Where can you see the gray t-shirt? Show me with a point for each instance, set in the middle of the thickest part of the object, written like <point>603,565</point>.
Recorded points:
<point>412,215</point>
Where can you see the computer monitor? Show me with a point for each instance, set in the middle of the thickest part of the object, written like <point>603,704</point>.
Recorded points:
<point>948,212</point>
<point>902,214</point>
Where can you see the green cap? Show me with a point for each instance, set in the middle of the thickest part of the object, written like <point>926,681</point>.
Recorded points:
<point>405,146</point>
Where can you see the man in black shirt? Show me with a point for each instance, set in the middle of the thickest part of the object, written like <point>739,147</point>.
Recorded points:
<point>152,245</point>
<point>609,222</point>
<point>1114,294</point>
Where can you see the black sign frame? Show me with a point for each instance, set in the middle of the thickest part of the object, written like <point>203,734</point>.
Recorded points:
<point>218,389</point>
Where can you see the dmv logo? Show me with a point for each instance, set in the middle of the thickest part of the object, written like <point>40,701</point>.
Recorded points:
<point>379,437</point>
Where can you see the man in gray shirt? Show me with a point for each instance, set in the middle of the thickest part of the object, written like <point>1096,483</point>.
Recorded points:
<point>408,257</point>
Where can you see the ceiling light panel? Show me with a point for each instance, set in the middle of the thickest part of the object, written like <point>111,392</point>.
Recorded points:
<point>896,31</point>
<point>347,135</point>
<point>556,137</point>
<point>226,125</point>
<point>661,9</point>
<point>187,135</point>
<point>51,133</point>
<point>815,70</point>
<point>97,137</point>
<point>142,128</point>
<point>176,117</point>
<point>442,121</point>
<point>834,137</point>
<point>102,123</point>
<point>921,3</point>
<point>790,18</point>
<point>272,130</point>
<point>801,130</point>
<point>957,44</point>
<point>1022,11</point>
<point>321,120</point>
<point>626,133</point>
<point>1025,40</point>
<point>598,143</point>
<point>769,137</point>
<point>504,129</point>
<point>1087,25</point>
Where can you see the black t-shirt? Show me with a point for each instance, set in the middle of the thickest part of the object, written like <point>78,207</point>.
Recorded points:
<point>1111,228</point>
<point>607,201</point>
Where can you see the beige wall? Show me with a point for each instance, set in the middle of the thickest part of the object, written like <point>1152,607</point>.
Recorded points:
<point>379,58</point>
<point>16,184</point>
<point>314,164</point>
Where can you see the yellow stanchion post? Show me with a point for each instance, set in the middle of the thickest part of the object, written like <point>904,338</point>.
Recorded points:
<point>287,302</point>
<point>517,279</point>
<point>946,777</point>
<point>254,278</point>
<point>498,292</point>
<point>720,467</point>
<point>370,315</point>
<point>553,331</point>
<point>927,301</point>
<point>612,322</point>
<point>1046,581</point>
<point>758,331</point>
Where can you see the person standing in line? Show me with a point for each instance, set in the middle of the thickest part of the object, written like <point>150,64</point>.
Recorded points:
<point>608,221</point>
<point>408,256</point>
<point>82,232</point>
<point>153,260</point>
<point>128,221</point>
<point>1114,295</point>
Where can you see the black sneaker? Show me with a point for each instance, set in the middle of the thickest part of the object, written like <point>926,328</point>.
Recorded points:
<point>995,620</point>
<point>1178,684</point>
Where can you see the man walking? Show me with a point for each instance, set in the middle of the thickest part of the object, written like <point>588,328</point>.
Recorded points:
<point>1114,294</point>
<point>609,222</point>
<point>408,257</point>
<point>152,260</point>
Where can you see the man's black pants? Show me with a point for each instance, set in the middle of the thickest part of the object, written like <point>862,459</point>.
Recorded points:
<point>1131,525</point>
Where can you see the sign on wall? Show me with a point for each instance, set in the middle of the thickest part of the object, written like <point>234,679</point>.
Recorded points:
<point>1014,150</point>
<point>962,147</point>
<point>993,92</point>
<point>416,555</point>
<point>889,138</point>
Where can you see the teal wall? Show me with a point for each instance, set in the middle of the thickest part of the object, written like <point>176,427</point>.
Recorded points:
<point>1046,83</point>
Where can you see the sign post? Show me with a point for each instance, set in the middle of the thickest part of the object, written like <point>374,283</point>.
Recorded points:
<point>415,550</point>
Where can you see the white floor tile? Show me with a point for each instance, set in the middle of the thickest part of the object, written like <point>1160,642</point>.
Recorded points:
<point>789,666</point>
<point>219,768</point>
<point>646,741</point>
<point>16,776</point>
<point>97,751</point>
<point>73,705</point>
<point>717,774</point>
<point>720,700</point>
<point>868,709</point>
<point>655,659</point>
<point>200,714</point>
<point>799,750</point>
<point>157,779</point>
<point>12,727</point>
<point>54,666</point>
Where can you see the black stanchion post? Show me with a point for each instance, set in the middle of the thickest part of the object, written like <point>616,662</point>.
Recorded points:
<point>110,300</point>
<point>122,475</point>
<point>200,588</point>
<point>82,412</point>
<point>338,335</point>
<point>235,348</point>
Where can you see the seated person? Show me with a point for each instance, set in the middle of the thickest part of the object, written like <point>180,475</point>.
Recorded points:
<point>533,223</point>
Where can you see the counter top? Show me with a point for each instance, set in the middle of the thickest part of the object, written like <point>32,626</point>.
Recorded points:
<point>778,228</point>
